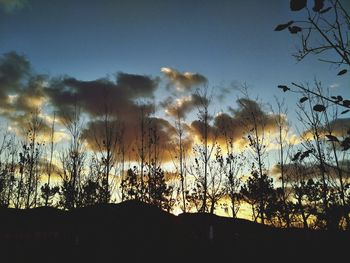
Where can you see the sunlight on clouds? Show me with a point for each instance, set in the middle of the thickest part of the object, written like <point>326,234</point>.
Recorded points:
<point>34,102</point>
<point>12,98</point>
<point>183,81</point>
<point>46,137</point>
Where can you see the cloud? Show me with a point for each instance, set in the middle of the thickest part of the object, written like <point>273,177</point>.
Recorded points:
<point>125,101</point>
<point>161,129</point>
<point>14,69</point>
<point>296,172</point>
<point>339,128</point>
<point>93,97</point>
<point>21,93</point>
<point>223,93</point>
<point>183,81</point>
<point>180,107</point>
<point>10,6</point>
<point>235,125</point>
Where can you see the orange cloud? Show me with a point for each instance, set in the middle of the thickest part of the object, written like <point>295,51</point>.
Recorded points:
<point>183,81</point>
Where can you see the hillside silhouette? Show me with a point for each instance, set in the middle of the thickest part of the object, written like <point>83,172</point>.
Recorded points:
<point>139,232</point>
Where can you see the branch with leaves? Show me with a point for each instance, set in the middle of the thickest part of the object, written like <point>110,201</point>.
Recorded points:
<point>325,29</point>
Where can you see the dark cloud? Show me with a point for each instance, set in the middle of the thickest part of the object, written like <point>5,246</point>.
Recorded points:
<point>120,96</point>
<point>183,81</point>
<point>14,71</point>
<point>296,172</point>
<point>126,99</point>
<point>237,124</point>
<point>94,133</point>
<point>21,92</point>
<point>180,107</point>
<point>340,127</point>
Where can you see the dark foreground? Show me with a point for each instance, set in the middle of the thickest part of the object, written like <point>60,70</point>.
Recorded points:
<point>136,232</point>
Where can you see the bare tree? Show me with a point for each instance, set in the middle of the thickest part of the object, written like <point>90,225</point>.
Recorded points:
<point>216,179</point>
<point>256,135</point>
<point>142,148</point>
<point>72,161</point>
<point>178,153</point>
<point>107,138</point>
<point>205,150</point>
<point>283,155</point>
<point>32,151</point>
<point>49,192</point>
<point>8,151</point>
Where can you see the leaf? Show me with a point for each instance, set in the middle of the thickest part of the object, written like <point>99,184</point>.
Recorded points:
<point>296,156</point>
<point>303,99</point>
<point>294,29</point>
<point>346,103</point>
<point>332,138</point>
<point>296,5</point>
<point>305,154</point>
<point>283,87</point>
<point>283,26</point>
<point>345,111</point>
<point>319,4</point>
<point>342,72</point>
<point>319,108</point>
<point>325,10</point>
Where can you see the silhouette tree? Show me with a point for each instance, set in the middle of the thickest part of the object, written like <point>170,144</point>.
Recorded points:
<point>255,127</point>
<point>232,162</point>
<point>48,192</point>
<point>30,159</point>
<point>319,141</point>
<point>8,152</point>
<point>313,144</point>
<point>216,177</point>
<point>93,189</point>
<point>142,149</point>
<point>179,158</point>
<point>132,186</point>
<point>73,161</point>
<point>324,29</point>
<point>283,154</point>
<point>107,138</point>
<point>204,151</point>
<point>258,191</point>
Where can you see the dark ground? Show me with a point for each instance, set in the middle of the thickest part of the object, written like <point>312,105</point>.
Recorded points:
<point>137,232</point>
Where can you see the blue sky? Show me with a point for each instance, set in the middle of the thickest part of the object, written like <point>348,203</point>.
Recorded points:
<point>226,41</point>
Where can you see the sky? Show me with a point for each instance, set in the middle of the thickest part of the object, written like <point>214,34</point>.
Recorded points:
<point>150,50</point>
<point>229,43</point>
<point>226,41</point>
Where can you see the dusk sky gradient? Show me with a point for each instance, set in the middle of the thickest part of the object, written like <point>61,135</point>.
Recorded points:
<point>226,41</point>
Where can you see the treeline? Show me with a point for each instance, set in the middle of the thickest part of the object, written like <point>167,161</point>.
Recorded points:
<point>308,186</point>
